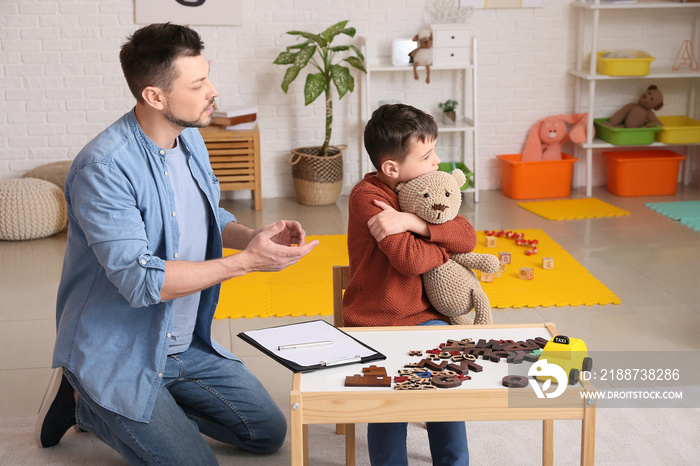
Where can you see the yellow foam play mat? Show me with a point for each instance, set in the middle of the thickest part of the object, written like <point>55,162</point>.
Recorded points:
<point>573,209</point>
<point>567,283</point>
<point>306,287</point>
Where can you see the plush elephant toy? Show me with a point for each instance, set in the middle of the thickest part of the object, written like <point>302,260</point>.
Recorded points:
<point>452,288</point>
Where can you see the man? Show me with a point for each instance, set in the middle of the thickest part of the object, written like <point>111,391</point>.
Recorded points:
<point>136,362</point>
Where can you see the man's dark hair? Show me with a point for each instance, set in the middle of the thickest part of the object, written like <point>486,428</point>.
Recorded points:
<point>149,54</point>
<point>393,129</point>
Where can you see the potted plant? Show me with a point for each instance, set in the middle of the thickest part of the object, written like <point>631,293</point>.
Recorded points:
<point>318,171</point>
<point>449,115</point>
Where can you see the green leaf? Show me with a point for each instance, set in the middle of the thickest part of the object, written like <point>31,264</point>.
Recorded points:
<point>300,45</point>
<point>289,76</point>
<point>304,55</point>
<point>348,32</point>
<point>357,63</point>
<point>334,30</point>
<point>284,58</point>
<point>339,48</point>
<point>314,37</point>
<point>342,79</point>
<point>314,87</point>
<point>357,51</point>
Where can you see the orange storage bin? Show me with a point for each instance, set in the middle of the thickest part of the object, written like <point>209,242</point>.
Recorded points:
<point>535,180</point>
<point>643,173</point>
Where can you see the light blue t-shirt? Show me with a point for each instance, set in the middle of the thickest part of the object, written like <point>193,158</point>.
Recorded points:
<point>192,214</point>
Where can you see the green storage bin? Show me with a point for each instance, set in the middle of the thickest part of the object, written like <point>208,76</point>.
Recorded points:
<point>625,136</point>
<point>449,166</point>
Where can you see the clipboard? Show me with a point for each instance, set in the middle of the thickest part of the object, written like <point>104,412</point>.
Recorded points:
<point>310,346</point>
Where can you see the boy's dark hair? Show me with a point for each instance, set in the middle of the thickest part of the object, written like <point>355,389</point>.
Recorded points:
<point>148,56</point>
<point>393,129</point>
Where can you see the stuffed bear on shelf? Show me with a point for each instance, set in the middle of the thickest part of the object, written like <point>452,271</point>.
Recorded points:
<point>452,288</point>
<point>640,114</point>
<point>423,55</point>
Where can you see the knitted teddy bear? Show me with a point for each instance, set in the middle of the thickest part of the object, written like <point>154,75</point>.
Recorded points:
<point>452,288</point>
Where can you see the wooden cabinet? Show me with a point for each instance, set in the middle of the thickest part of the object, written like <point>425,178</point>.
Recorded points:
<point>235,157</point>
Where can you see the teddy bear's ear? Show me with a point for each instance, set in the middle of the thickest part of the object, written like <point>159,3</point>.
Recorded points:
<point>459,176</point>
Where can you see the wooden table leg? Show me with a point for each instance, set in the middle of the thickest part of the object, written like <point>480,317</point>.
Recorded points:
<point>547,442</point>
<point>298,432</point>
<point>350,444</point>
<point>588,434</point>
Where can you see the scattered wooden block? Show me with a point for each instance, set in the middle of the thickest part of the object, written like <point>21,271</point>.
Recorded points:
<point>446,381</point>
<point>487,277</point>
<point>526,273</point>
<point>548,263</point>
<point>367,381</point>
<point>514,381</point>
<point>504,257</point>
<point>490,241</point>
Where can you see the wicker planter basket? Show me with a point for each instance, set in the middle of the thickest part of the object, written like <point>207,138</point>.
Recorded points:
<point>317,180</point>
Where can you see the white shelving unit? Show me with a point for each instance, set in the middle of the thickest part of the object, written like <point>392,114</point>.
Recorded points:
<point>466,124</point>
<point>589,13</point>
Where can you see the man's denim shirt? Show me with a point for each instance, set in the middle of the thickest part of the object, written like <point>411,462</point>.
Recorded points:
<point>113,328</point>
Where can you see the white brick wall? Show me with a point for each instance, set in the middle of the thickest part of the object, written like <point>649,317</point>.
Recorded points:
<point>60,80</point>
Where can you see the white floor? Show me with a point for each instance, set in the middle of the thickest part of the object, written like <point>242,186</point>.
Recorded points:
<point>648,260</point>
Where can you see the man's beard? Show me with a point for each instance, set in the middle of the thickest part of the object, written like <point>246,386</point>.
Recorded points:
<point>199,123</point>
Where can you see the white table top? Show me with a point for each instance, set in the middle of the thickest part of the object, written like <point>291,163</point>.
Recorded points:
<point>396,344</point>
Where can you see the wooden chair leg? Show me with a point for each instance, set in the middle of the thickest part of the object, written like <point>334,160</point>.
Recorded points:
<point>340,429</point>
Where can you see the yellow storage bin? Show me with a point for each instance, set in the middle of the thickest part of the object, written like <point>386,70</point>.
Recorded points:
<point>635,66</point>
<point>679,130</point>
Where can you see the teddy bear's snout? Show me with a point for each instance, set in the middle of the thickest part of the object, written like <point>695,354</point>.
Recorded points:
<point>552,133</point>
<point>440,207</point>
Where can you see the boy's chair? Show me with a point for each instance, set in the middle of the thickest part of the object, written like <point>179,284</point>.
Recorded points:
<point>341,277</point>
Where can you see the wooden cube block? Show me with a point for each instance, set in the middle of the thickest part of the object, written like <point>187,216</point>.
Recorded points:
<point>504,257</point>
<point>501,270</point>
<point>548,263</point>
<point>526,273</point>
<point>490,241</point>
<point>487,277</point>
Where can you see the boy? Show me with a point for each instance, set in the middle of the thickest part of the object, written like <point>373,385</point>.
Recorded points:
<point>389,250</point>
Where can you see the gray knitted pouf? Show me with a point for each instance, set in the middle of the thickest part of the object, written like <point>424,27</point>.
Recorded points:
<point>31,208</point>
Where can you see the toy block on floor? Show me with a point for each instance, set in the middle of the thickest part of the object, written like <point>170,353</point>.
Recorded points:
<point>526,273</point>
<point>504,257</point>
<point>548,263</point>
<point>487,277</point>
<point>490,241</point>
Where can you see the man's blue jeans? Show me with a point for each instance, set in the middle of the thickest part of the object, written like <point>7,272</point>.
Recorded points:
<point>201,392</point>
<point>448,440</point>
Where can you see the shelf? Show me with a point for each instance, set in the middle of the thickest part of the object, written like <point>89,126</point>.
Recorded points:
<point>387,66</point>
<point>635,5</point>
<point>600,144</point>
<point>465,126</point>
<point>657,74</point>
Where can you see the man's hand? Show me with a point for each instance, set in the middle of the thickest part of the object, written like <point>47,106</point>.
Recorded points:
<point>271,248</point>
<point>391,222</point>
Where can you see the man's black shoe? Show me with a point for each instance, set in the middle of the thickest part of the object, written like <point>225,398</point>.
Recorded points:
<point>57,412</point>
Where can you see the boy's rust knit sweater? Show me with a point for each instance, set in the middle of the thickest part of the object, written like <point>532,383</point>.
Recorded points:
<point>385,286</point>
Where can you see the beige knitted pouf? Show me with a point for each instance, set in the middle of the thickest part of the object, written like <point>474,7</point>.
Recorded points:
<point>31,208</point>
<point>55,172</point>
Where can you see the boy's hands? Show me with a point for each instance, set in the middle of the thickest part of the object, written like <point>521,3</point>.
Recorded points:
<point>391,222</point>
